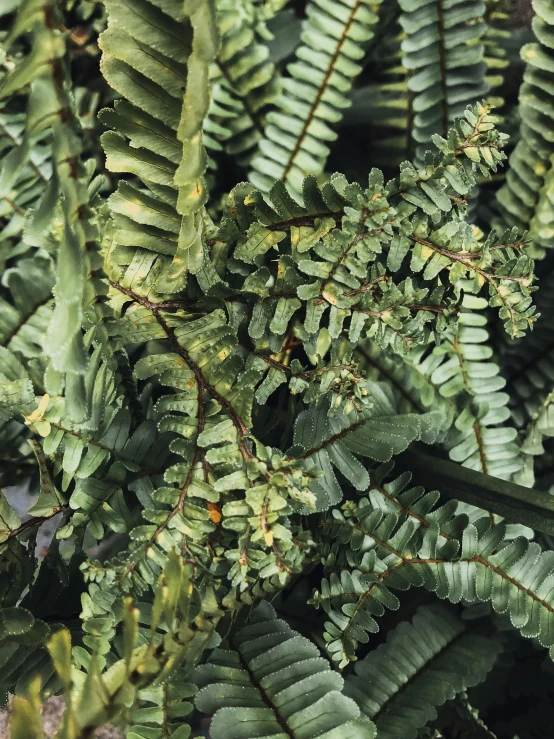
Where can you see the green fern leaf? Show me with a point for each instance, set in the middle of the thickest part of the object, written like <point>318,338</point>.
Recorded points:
<point>394,547</point>
<point>527,364</point>
<point>459,376</point>
<point>245,84</point>
<point>337,441</point>
<point>162,125</point>
<point>295,694</point>
<point>443,51</point>
<point>296,137</point>
<point>435,644</point>
<point>528,183</point>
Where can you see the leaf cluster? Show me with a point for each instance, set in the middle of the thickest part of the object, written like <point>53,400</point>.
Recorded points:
<point>221,361</point>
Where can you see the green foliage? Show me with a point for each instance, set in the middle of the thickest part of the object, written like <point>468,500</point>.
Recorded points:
<point>497,13</point>
<point>458,377</point>
<point>422,665</point>
<point>144,670</point>
<point>525,199</point>
<point>396,538</point>
<point>528,369</point>
<point>274,682</point>
<point>209,387</point>
<point>382,98</point>
<point>245,83</point>
<point>297,135</point>
<point>443,54</point>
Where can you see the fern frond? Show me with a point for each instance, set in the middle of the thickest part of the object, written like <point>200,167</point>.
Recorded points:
<point>151,56</point>
<point>245,83</point>
<point>443,51</point>
<point>189,176</point>
<point>402,542</point>
<point>52,596</point>
<point>163,709</point>
<point>82,453</point>
<point>385,104</point>
<point>528,181</point>
<point>409,379</point>
<point>530,382</point>
<point>541,226</point>
<point>338,274</point>
<point>26,169</point>
<point>436,643</point>
<point>338,441</point>
<point>481,439</point>
<point>465,720</point>
<point>25,306</point>
<point>297,135</point>
<point>50,107</point>
<point>483,491</point>
<point>22,647</point>
<point>270,681</point>
<point>458,379</point>
<point>497,12</point>
<point>214,477</point>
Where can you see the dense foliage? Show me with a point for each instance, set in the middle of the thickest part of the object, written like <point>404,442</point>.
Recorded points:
<point>233,380</point>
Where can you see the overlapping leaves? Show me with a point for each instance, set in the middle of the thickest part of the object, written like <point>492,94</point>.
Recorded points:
<point>395,539</point>
<point>270,681</point>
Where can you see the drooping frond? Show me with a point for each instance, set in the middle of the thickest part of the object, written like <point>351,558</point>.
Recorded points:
<point>423,664</point>
<point>157,57</point>
<point>51,109</point>
<point>206,386</point>
<point>443,52</point>
<point>267,680</point>
<point>297,136</point>
<point>525,200</point>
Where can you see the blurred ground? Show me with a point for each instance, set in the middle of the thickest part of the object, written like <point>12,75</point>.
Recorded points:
<point>51,714</point>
